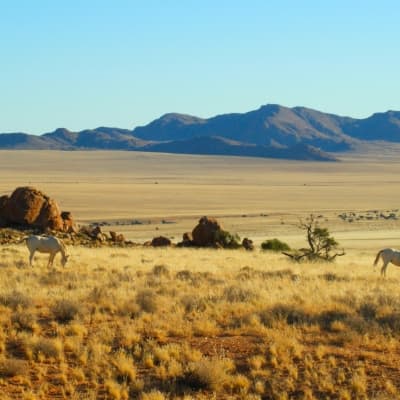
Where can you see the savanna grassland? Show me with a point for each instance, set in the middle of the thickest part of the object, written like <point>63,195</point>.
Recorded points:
<point>120,323</point>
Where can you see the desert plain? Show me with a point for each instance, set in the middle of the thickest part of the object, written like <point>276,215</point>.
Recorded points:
<point>154,324</point>
<point>253,197</point>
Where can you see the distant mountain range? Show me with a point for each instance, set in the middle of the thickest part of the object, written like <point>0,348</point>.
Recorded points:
<point>271,131</point>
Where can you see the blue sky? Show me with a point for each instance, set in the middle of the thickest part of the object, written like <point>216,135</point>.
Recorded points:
<point>87,63</point>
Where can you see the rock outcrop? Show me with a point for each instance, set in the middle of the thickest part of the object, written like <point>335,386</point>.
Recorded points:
<point>209,233</point>
<point>29,207</point>
<point>204,233</point>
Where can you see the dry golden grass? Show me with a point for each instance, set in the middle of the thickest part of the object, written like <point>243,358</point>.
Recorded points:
<point>201,324</point>
<point>196,324</point>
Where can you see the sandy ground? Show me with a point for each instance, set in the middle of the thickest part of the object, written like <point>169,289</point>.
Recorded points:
<point>258,198</point>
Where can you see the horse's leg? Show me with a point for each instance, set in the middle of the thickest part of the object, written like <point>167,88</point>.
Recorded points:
<point>383,269</point>
<point>31,258</point>
<point>51,259</point>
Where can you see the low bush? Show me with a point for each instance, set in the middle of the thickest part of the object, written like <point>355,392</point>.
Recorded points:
<point>327,318</point>
<point>147,300</point>
<point>391,321</point>
<point>209,373</point>
<point>13,367</point>
<point>291,314</point>
<point>193,303</point>
<point>368,310</point>
<point>15,299</point>
<point>65,310</point>
<point>275,245</point>
<point>227,240</point>
<point>235,294</point>
<point>160,270</point>
<point>47,348</point>
<point>24,320</point>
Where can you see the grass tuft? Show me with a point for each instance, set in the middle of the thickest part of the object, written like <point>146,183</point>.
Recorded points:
<point>209,373</point>
<point>11,367</point>
<point>65,310</point>
<point>147,300</point>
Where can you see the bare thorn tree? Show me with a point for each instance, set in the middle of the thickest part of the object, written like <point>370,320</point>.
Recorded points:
<point>322,246</point>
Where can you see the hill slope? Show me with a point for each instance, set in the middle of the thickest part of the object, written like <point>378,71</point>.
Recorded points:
<point>271,131</point>
<point>269,125</point>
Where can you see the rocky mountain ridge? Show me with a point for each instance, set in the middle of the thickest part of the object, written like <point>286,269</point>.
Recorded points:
<point>271,131</point>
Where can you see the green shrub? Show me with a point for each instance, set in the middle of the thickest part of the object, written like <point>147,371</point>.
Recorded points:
<point>275,245</point>
<point>227,240</point>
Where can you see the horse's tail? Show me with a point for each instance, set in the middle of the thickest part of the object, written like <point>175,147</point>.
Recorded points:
<point>377,258</point>
<point>63,247</point>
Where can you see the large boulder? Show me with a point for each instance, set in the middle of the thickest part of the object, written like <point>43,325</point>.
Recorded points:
<point>204,233</point>
<point>30,207</point>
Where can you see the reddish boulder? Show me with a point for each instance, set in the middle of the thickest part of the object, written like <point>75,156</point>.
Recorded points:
<point>161,241</point>
<point>68,222</point>
<point>204,233</point>
<point>31,207</point>
<point>248,244</point>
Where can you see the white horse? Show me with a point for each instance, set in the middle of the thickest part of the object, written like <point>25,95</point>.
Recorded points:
<point>46,244</point>
<point>387,256</point>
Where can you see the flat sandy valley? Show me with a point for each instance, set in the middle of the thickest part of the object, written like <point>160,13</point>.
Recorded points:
<point>145,194</point>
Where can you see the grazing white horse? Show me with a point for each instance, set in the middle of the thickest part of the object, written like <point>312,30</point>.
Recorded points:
<point>46,244</point>
<point>387,256</point>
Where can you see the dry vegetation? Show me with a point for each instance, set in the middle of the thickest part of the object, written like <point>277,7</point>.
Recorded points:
<point>197,324</point>
<point>154,324</point>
